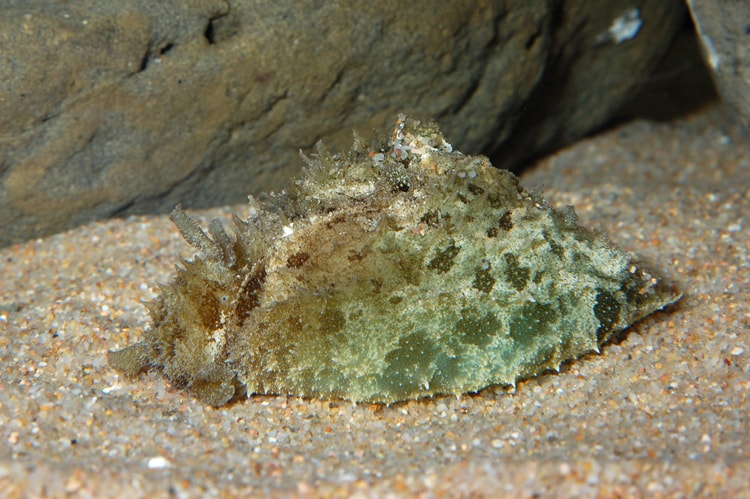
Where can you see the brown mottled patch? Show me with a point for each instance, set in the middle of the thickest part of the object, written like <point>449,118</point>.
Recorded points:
<point>297,260</point>
<point>506,221</point>
<point>356,257</point>
<point>475,189</point>
<point>335,220</point>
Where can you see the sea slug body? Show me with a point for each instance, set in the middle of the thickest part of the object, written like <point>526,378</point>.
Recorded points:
<point>397,271</point>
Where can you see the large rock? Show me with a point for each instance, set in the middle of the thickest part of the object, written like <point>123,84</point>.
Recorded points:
<point>723,27</point>
<point>113,108</point>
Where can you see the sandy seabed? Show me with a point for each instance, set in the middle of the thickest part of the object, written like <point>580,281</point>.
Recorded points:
<point>663,413</point>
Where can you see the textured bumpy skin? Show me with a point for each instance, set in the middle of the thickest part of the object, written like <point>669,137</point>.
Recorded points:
<point>398,271</point>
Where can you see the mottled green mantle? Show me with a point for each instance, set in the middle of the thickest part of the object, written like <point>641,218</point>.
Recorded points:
<point>398,271</point>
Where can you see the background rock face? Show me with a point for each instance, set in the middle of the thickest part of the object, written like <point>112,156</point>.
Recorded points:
<point>723,28</point>
<point>113,108</point>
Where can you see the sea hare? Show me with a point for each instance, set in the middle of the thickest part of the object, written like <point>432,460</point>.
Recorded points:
<point>400,270</point>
